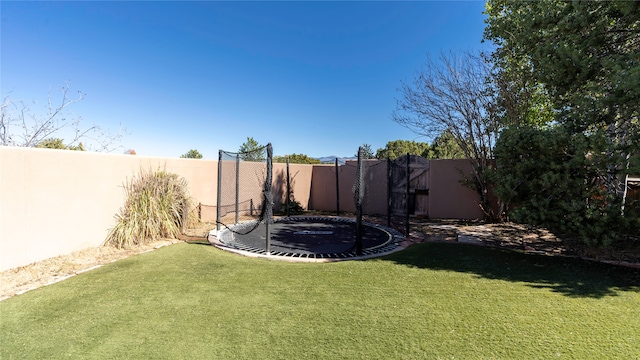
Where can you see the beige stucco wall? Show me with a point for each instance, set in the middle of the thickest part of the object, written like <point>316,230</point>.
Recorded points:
<point>300,175</point>
<point>54,202</point>
<point>251,176</point>
<point>448,198</point>
<point>323,188</point>
<point>375,178</point>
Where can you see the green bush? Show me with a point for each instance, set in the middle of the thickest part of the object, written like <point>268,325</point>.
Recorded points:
<point>156,206</point>
<point>556,179</point>
<point>295,208</point>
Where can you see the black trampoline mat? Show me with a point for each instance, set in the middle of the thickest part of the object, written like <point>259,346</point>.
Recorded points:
<point>306,236</point>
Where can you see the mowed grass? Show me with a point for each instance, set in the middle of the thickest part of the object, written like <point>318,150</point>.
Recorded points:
<point>433,301</point>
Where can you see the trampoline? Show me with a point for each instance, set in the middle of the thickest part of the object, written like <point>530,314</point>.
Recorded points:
<point>307,237</point>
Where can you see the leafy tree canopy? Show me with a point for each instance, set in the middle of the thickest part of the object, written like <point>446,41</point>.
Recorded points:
<point>296,159</point>
<point>192,154</point>
<point>445,146</point>
<point>586,55</point>
<point>396,148</point>
<point>57,143</point>
<point>583,59</point>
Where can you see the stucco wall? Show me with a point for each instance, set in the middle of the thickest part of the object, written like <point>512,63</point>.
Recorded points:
<point>54,202</point>
<point>323,188</point>
<point>300,175</point>
<point>448,198</point>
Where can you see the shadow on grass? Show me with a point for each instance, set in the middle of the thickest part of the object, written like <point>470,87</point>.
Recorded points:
<point>571,277</point>
<point>199,241</point>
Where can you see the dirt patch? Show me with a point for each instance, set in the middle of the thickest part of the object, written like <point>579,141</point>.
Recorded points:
<point>524,238</point>
<point>22,279</point>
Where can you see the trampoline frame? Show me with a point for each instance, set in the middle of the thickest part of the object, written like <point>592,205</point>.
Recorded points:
<point>224,239</point>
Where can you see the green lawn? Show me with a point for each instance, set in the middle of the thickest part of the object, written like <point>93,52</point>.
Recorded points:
<point>433,301</point>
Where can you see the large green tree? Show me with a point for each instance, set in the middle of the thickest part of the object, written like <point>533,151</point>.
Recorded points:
<point>445,146</point>
<point>396,148</point>
<point>577,63</point>
<point>584,58</point>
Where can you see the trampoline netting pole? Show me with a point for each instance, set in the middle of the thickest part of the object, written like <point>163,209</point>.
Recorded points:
<point>389,190</point>
<point>337,190</point>
<point>359,193</point>
<point>237,185</point>
<point>268,199</point>
<point>408,195</point>
<point>219,199</point>
<point>288,190</point>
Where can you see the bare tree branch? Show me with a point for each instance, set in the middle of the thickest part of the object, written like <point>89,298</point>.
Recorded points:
<point>452,94</point>
<point>20,126</point>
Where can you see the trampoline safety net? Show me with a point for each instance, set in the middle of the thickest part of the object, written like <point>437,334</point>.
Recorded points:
<point>244,189</point>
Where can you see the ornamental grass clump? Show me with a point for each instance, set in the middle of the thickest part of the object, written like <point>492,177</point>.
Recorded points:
<point>157,205</point>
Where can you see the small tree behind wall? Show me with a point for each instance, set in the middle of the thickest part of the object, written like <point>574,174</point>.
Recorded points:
<point>251,150</point>
<point>191,154</point>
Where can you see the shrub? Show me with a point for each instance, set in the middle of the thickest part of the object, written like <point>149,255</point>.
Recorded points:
<point>295,208</point>
<point>156,207</point>
<point>554,178</point>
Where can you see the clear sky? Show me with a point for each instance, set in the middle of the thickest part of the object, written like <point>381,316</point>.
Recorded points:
<point>314,78</point>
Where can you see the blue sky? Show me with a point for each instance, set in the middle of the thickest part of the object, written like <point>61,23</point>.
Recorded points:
<point>314,78</point>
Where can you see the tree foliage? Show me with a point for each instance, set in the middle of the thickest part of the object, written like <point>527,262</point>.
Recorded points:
<point>548,177</point>
<point>577,63</point>
<point>367,152</point>
<point>57,143</point>
<point>586,53</point>
<point>585,56</point>
<point>445,146</point>
<point>296,159</point>
<point>518,99</point>
<point>251,150</point>
<point>397,148</point>
<point>192,154</point>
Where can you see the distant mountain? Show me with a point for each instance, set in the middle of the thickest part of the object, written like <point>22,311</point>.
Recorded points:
<point>332,158</point>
